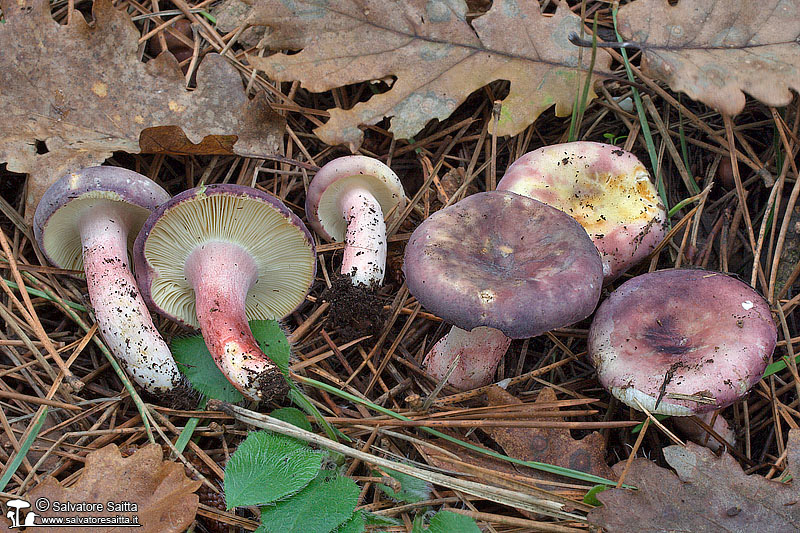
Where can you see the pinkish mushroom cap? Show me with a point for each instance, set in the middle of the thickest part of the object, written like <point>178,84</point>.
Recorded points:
<point>603,187</point>
<point>336,178</point>
<point>505,261</point>
<point>708,335</point>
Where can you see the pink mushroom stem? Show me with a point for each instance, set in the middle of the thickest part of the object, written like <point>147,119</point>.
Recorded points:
<point>365,242</point>
<point>122,316</point>
<point>692,431</point>
<point>480,349</point>
<point>221,274</point>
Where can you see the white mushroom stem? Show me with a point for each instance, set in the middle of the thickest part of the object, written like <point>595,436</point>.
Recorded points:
<point>221,274</point>
<point>480,349</point>
<point>694,432</point>
<point>365,241</point>
<point>122,316</point>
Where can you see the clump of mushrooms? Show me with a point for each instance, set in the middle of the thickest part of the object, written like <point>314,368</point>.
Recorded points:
<point>87,220</point>
<point>214,257</point>
<point>681,342</point>
<point>498,266</point>
<point>603,187</point>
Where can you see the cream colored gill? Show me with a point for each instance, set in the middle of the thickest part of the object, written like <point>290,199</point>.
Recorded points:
<point>62,237</point>
<point>601,202</point>
<point>330,214</point>
<point>280,250</point>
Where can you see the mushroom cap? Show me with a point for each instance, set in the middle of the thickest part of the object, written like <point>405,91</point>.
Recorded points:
<point>339,175</point>
<point>603,187</point>
<point>714,334</point>
<point>505,261</point>
<point>276,238</point>
<point>55,223</point>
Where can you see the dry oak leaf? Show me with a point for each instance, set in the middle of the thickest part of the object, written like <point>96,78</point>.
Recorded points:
<point>717,50</point>
<point>163,495</point>
<point>81,92</point>
<point>709,494</point>
<point>553,446</point>
<point>436,55</point>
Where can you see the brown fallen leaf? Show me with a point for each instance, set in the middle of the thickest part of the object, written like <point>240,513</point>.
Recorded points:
<point>73,94</point>
<point>553,446</point>
<point>715,51</point>
<point>437,57</point>
<point>163,495</point>
<point>708,494</point>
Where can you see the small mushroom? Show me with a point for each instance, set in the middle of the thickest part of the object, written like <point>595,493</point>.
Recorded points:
<point>347,201</point>
<point>499,266</point>
<point>681,342</point>
<point>214,257</point>
<point>601,186</point>
<point>87,220</point>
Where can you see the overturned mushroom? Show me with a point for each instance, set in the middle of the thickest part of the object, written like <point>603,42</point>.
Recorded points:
<point>498,266</point>
<point>681,342</point>
<point>601,186</point>
<point>88,220</point>
<point>214,257</point>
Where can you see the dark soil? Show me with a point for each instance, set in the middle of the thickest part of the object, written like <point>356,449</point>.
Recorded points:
<point>355,311</point>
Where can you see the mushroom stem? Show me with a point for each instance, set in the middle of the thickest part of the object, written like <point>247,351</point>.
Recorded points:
<point>365,242</point>
<point>692,431</point>
<point>221,274</point>
<point>122,316</point>
<point>481,350</point>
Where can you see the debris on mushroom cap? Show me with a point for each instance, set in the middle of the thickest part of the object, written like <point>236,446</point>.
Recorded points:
<point>276,238</point>
<point>505,261</point>
<point>338,176</point>
<point>697,339</point>
<point>603,187</point>
<point>55,221</point>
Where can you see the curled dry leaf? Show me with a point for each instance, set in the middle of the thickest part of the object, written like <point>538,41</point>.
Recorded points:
<point>717,50</point>
<point>437,57</point>
<point>81,93</point>
<point>163,495</point>
<point>708,494</point>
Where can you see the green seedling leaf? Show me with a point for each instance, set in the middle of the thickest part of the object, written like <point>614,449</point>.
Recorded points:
<point>591,496</point>
<point>326,503</point>
<point>196,363</point>
<point>267,467</point>
<point>449,522</point>
<point>355,524</point>
<point>293,416</point>
<point>412,489</point>
<point>273,342</point>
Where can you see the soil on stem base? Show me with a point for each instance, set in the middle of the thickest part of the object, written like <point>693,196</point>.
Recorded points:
<point>355,310</point>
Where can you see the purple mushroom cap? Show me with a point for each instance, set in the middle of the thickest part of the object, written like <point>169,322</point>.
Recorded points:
<point>708,335</point>
<point>505,261</point>
<point>55,223</point>
<point>276,238</point>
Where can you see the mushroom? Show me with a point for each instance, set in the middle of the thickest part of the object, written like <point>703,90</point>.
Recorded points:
<point>87,220</point>
<point>347,201</point>
<point>601,186</point>
<point>498,266</point>
<point>214,257</point>
<point>681,342</point>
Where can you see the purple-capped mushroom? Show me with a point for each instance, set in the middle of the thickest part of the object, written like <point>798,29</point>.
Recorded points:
<point>603,187</point>
<point>499,266</point>
<point>214,257</point>
<point>347,201</point>
<point>681,342</point>
<point>87,220</point>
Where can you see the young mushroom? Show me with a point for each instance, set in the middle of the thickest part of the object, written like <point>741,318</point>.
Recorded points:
<point>347,201</point>
<point>87,220</point>
<point>601,186</point>
<point>498,266</point>
<point>681,342</point>
<point>214,257</point>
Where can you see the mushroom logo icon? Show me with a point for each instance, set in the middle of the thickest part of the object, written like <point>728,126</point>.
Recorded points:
<point>14,507</point>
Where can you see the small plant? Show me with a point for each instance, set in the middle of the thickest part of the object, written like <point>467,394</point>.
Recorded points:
<point>614,139</point>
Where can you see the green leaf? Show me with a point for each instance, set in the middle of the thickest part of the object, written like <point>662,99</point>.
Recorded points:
<point>591,496</point>
<point>449,522</point>
<point>412,489</point>
<point>372,519</point>
<point>267,467</point>
<point>321,507</point>
<point>273,342</point>
<point>196,363</point>
<point>293,416</point>
<point>355,524</point>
